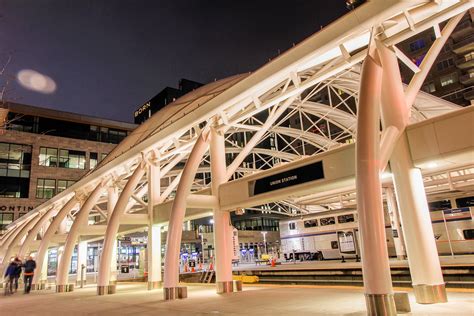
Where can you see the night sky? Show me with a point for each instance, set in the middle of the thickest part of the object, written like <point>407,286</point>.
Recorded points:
<point>109,57</point>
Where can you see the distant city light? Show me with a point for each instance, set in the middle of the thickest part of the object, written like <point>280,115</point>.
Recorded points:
<point>35,81</point>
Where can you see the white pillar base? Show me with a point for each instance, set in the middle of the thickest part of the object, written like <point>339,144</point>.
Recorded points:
<point>237,286</point>
<point>223,287</point>
<point>63,288</point>
<point>380,305</point>
<point>430,294</point>
<point>172,293</point>
<point>106,289</point>
<point>38,286</point>
<point>154,285</point>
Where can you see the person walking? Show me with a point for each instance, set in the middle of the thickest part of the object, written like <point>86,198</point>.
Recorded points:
<point>9,278</point>
<point>18,264</point>
<point>30,266</point>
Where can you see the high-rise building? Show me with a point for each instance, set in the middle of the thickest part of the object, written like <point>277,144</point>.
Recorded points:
<point>163,98</point>
<point>43,152</point>
<point>452,75</point>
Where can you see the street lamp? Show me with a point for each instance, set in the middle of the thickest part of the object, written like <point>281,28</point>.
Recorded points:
<point>265,241</point>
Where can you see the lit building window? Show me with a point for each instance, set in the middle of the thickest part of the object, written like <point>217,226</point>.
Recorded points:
<point>48,157</point>
<point>72,159</point>
<point>93,160</point>
<point>429,87</point>
<point>5,220</point>
<point>64,184</point>
<point>449,79</point>
<point>45,188</point>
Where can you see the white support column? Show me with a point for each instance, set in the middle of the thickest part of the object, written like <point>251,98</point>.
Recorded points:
<point>175,228</point>
<point>222,226</point>
<point>34,231</point>
<point>81,261</point>
<point>375,264</point>
<point>103,284</point>
<point>42,255</point>
<point>154,231</point>
<point>112,197</point>
<point>425,268</point>
<point>62,276</point>
<point>398,239</point>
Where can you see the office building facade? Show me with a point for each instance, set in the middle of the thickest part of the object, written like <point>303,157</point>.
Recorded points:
<point>43,152</point>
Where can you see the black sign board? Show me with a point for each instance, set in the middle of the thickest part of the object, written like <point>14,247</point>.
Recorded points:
<point>288,178</point>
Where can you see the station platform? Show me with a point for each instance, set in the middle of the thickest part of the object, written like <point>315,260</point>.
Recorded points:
<point>134,299</point>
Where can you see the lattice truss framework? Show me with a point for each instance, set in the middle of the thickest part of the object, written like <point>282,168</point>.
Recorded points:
<point>303,110</point>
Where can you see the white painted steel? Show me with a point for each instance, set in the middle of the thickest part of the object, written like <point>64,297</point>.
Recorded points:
<point>175,227</point>
<point>222,225</point>
<point>154,231</point>
<point>64,262</point>
<point>377,277</point>
<point>41,255</point>
<point>110,238</point>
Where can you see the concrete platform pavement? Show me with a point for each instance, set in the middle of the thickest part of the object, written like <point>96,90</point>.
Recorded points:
<point>134,299</point>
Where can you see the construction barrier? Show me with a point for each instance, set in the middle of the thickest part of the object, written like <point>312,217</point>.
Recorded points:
<point>246,278</point>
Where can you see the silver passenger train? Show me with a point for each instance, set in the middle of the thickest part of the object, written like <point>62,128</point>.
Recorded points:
<point>334,234</point>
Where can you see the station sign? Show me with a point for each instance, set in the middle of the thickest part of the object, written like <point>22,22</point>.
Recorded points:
<point>287,178</point>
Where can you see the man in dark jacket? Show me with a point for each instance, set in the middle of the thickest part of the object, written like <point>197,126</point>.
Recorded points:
<point>9,277</point>
<point>18,264</point>
<point>30,266</point>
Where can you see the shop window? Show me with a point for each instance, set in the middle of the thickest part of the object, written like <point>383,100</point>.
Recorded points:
<point>327,221</point>
<point>347,218</point>
<point>72,159</point>
<point>45,188</point>
<point>93,160</point>
<point>64,184</point>
<point>102,156</point>
<point>5,220</point>
<point>310,223</point>
<point>48,157</point>
<point>334,245</point>
<point>292,226</point>
<point>449,79</point>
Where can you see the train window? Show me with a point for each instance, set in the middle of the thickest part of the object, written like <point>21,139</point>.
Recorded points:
<point>327,221</point>
<point>310,223</point>
<point>292,226</point>
<point>468,233</point>
<point>440,205</point>
<point>345,218</point>
<point>465,202</point>
<point>334,245</point>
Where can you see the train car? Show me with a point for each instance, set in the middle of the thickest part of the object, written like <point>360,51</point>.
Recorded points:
<point>318,236</point>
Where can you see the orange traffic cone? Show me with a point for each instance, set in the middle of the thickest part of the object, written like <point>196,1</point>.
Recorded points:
<point>273,262</point>
<point>211,267</point>
<point>192,269</point>
<point>200,266</point>
<point>186,267</point>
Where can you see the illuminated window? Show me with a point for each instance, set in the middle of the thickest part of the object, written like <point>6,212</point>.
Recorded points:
<point>45,188</point>
<point>5,220</point>
<point>48,157</point>
<point>449,79</point>
<point>327,221</point>
<point>429,87</point>
<point>64,184</point>
<point>72,159</point>
<point>310,223</point>
<point>345,218</point>
<point>93,160</point>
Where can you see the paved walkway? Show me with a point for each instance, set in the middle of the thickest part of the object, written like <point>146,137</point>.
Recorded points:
<point>134,299</point>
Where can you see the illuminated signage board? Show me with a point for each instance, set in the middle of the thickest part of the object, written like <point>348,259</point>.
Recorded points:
<point>287,178</point>
<point>143,108</point>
